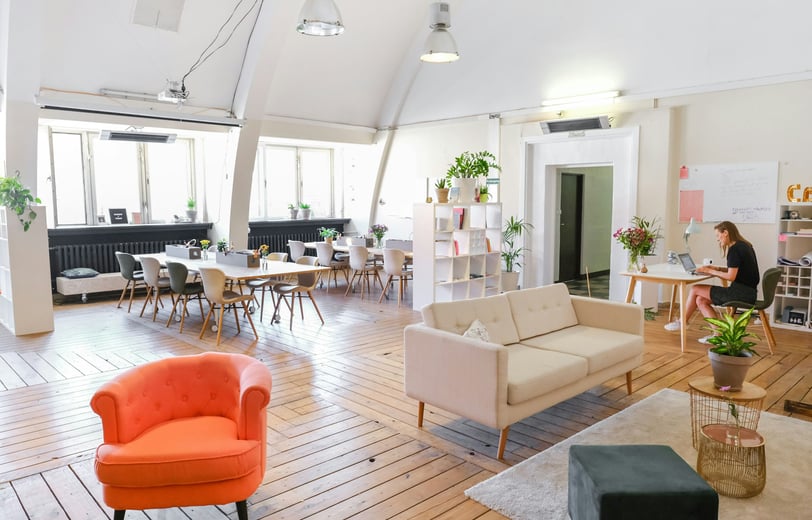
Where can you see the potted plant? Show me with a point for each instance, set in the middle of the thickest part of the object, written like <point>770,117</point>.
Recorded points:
<point>222,245</point>
<point>294,210</point>
<point>191,211</point>
<point>305,210</point>
<point>204,246</point>
<point>328,234</point>
<point>731,354</point>
<point>483,193</point>
<point>465,170</point>
<point>18,199</point>
<point>441,189</point>
<point>511,252</point>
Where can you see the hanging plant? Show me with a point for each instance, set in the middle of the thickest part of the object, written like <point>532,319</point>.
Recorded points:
<point>18,199</point>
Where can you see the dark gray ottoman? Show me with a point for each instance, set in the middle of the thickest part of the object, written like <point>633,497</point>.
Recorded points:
<point>636,482</point>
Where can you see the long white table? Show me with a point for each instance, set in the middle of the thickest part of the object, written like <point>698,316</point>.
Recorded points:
<point>673,275</point>
<point>344,248</point>
<point>237,273</point>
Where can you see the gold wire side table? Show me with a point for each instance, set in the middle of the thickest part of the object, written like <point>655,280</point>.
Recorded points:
<point>709,405</point>
<point>732,462</point>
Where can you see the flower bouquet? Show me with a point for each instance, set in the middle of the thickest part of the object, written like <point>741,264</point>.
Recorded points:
<point>639,240</point>
<point>378,231</point>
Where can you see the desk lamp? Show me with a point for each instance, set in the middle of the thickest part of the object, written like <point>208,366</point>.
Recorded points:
<point>691,229</point>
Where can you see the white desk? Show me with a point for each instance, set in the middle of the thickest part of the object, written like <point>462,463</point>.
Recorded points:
<point>673,275</point>
<point>344,248</point>
<point>237,273</point>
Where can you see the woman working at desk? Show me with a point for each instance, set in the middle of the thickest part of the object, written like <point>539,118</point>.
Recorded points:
<point>741,271</point>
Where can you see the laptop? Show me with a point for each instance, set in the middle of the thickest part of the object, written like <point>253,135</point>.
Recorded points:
<point>687,262</point>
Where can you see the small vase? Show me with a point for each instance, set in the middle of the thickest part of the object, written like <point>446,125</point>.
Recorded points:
<point>205,254</point>
<point>379,242</point>
<point>732,432</point>
<point>634,263</point>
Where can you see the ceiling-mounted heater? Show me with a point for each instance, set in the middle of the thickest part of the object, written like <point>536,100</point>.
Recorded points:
<point>137,137</point>
<point>575,125</point>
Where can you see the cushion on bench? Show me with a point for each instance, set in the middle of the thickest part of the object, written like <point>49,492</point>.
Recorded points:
<point>80,272</point>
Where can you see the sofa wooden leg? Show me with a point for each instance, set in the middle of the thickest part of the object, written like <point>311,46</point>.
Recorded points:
<point>118,514</point>
<point>242,510</point>
<point>502,442</point>
<point>421,406</point>
<point>629,382</point>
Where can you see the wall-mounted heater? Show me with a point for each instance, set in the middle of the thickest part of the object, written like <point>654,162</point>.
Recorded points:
<point>575,125</point>
<point>138,137</point>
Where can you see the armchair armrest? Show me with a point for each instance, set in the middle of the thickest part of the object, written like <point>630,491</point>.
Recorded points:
<point>462,375</point>
<point>605,314</point>
<point>255,394</point>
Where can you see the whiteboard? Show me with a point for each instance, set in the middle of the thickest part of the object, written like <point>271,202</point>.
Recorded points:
<point>741,193</point>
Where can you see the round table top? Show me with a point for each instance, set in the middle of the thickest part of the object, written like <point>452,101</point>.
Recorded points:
<point>749,391</point>
<point>720,433</point>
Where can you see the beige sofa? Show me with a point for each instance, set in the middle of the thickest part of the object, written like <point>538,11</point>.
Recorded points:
<point>545,347</point>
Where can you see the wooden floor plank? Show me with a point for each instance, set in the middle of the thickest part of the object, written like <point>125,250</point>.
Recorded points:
<point>342,436</point>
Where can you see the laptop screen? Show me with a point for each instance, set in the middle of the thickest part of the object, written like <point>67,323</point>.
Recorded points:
<point>687,262</point>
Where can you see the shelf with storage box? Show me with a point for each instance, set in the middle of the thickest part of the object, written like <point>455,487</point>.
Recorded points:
<point>26,305</point>
<point>792,307</point>
<point>456,251</point>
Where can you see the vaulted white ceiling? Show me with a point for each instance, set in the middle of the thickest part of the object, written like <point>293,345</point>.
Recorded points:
<point>514,54</point>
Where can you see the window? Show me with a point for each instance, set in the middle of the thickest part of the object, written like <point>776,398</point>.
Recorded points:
<point>288,175</point>
<point>152,181</point>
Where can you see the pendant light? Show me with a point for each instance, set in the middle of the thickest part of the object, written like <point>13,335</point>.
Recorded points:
<point>440,45</point>
<point>320,18</point>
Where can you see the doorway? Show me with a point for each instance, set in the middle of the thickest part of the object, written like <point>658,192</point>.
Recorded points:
<point>570,226</point>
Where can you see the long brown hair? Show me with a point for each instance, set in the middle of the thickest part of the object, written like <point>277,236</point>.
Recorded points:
<point>732,233</point>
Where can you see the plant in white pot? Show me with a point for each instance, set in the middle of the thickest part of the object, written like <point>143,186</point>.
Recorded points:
<point>511,251</point>
<point>191,209</point>
<point>466,168</point>
<point>731,355</point>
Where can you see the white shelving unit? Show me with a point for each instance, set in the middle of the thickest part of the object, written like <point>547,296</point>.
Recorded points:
<point>26,305</point>
<point>795,286</point>
<point>452,260</point>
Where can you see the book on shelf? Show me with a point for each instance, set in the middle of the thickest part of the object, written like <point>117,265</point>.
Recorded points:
<point>488,244</point>
<point>459,217</point>
<point>456,248</point>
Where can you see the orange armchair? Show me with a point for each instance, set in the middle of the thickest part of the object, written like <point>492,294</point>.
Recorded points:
<point>183,431</point>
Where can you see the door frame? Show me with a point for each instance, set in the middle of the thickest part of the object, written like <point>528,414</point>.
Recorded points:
<point>579,222</point>
<point>541,158</point>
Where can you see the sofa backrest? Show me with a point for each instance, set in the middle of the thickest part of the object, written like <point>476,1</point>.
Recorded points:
<point>541,310</point>
<point>457,316</point>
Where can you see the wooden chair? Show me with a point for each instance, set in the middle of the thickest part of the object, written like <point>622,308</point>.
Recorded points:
<point>363,270</point>
<point>393,266</point>
<point>266,283</point>
<point>183,431</point>
<point>769,282</point>
<point>126,265</point>
<point>155,282</point>
<point>214,286</point>
<point>324,252</point>
<point>306,282</point>
<point>178,276</point>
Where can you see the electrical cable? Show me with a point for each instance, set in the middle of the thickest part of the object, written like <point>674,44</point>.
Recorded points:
<point>245,54</point>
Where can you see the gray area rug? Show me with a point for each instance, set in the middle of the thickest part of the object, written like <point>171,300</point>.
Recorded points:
<point>537,487</point>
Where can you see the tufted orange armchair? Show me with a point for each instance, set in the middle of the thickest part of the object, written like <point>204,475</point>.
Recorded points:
<point>183,431</point>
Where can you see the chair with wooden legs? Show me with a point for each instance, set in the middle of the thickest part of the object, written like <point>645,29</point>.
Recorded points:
<point>214,287</point>
<point>297,249</point>
<point>266,283</point>
<point>363,270</point>
<point>185,291</point>
<point>325,255</point>
<point>134,277</point>
<point>306,282</point>
<point>769,282</point>
<point>393,262</point>
<point>155,282</point>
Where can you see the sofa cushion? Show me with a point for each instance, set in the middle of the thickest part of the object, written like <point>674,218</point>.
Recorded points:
<point>174,453</point>
<point>456,317</point>
<point>601,348</point>
<point>533,372</point>
<point>541,310</point>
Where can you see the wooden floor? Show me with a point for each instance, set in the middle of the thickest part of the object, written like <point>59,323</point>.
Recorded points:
<point>342,436</point>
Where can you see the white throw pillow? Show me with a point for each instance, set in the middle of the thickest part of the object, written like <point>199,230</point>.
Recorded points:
<point>477,330</point>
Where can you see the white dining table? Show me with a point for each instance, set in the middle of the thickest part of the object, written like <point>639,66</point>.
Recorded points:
<point>239,273</point>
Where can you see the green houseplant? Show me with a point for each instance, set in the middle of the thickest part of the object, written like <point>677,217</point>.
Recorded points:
<point>191,209</point>
<point>294,210</point>
<point>731,354</point>
<point>328,234</point>
<point>18,199</point>
<point>441,189</point>
<point>483,194</point>
<point>465,170</point>
<point>511,252</point>
<point>305,209</point>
